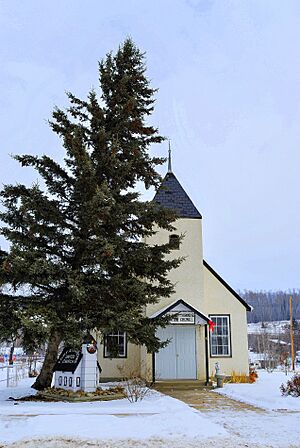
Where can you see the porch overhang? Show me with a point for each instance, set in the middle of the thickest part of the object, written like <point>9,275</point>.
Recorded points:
<point>181,306</point>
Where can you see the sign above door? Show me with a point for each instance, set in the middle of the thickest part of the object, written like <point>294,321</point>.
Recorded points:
<point>182,317</point>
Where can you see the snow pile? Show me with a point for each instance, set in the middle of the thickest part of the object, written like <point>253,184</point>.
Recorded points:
<point>265,393</point>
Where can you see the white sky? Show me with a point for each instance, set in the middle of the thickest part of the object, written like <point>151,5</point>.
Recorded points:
<point>229,99</point>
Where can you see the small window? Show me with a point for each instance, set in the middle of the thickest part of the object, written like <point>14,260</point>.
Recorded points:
<point>220,337</point>
<point>174,242</point>
<point>70,381</point>
<point>78,381</point>
<point>115,345</point>
<point>65,381</point>
<point>60,380</point>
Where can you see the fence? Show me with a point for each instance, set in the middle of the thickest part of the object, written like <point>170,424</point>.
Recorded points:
<point>10,375</point>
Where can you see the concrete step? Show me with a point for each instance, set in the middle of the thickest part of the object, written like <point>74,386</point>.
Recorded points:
<point>180,385</point>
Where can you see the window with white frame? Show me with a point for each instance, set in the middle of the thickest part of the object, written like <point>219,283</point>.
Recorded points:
<point>115,345</point>
<point>220,336</point>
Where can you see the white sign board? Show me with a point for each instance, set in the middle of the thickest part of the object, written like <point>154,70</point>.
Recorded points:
<point>182,317</point>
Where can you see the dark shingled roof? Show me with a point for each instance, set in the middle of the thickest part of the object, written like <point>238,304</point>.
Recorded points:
<point>171,195</point>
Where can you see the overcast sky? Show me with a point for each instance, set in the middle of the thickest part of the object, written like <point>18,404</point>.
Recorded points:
<point>228,74</point>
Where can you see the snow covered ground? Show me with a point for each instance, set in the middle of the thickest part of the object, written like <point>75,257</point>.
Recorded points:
<point>265,393</point>
<point>156,416</point>
<point>276,425</point>
<point>157,422</point>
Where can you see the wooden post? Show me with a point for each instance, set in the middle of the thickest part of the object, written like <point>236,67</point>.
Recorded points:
<point>292,334</point>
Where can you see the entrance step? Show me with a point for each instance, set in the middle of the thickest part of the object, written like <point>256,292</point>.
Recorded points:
<point>168,385</point>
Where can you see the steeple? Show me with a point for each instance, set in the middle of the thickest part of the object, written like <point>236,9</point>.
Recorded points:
<point>171,195</point>
<point>169,159</point>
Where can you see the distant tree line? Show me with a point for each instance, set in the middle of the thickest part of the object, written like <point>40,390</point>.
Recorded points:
<point>272,305</point>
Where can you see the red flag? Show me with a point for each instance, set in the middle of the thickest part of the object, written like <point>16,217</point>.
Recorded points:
<point>211,325</point>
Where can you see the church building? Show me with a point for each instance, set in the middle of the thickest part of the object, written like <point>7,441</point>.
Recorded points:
<point>209,322</point>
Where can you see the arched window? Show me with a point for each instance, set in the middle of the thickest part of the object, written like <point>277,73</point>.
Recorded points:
<point>174,241</point>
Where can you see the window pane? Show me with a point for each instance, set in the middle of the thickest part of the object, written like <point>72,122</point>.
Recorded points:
<point>115,345</point>
<point>219,338</point>
<point>174,241</point>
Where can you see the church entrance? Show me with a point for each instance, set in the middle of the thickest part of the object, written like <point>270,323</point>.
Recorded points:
<point>178,359</point>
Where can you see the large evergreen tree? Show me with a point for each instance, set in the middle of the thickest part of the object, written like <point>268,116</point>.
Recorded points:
<point>77,260</point>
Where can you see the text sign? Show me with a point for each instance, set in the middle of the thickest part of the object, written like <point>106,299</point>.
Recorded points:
<point>182,317</point>
<point>71,356</point>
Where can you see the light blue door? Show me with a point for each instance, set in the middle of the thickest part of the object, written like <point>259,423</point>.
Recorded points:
<point>178,359</point>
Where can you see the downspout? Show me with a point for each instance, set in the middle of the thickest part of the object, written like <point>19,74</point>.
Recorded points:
<point>206,356</point>
<point>153,367</point>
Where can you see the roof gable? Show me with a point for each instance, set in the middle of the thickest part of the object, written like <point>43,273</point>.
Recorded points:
<point>221,280</point>
<point>177,307</point>
<point>171,195</point>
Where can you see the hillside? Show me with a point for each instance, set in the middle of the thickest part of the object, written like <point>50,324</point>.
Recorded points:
<point>271,306</point>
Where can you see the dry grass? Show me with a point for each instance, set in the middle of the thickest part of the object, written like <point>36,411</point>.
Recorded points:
<point>238,378</point>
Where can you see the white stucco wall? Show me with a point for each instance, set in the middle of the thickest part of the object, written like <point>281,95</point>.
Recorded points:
<point>188,277</point>
<point>219,300</point>
<point>121,367</point>
<point>200,352</point>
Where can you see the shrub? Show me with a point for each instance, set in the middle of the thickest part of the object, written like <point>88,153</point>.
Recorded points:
<point>136,389</point>
<point>292,387</point>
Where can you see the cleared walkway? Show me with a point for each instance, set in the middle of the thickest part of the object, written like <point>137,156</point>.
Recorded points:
<point>202,398</point>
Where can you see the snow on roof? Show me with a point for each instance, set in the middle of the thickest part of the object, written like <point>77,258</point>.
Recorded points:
<point>278,341</point>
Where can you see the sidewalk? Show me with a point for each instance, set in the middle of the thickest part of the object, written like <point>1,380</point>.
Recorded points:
<point>203,398</point>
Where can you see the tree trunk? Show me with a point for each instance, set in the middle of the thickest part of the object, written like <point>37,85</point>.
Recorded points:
<point>11,354</point>
<point>45,377</point>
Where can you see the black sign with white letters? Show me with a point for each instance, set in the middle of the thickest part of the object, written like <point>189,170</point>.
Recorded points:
<point>68,360</point>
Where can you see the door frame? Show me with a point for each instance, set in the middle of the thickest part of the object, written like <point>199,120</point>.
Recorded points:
<point>196,357</point>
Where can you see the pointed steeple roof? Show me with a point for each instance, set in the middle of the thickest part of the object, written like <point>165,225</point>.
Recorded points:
<point>169,159</point>
<point>171,195</point>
